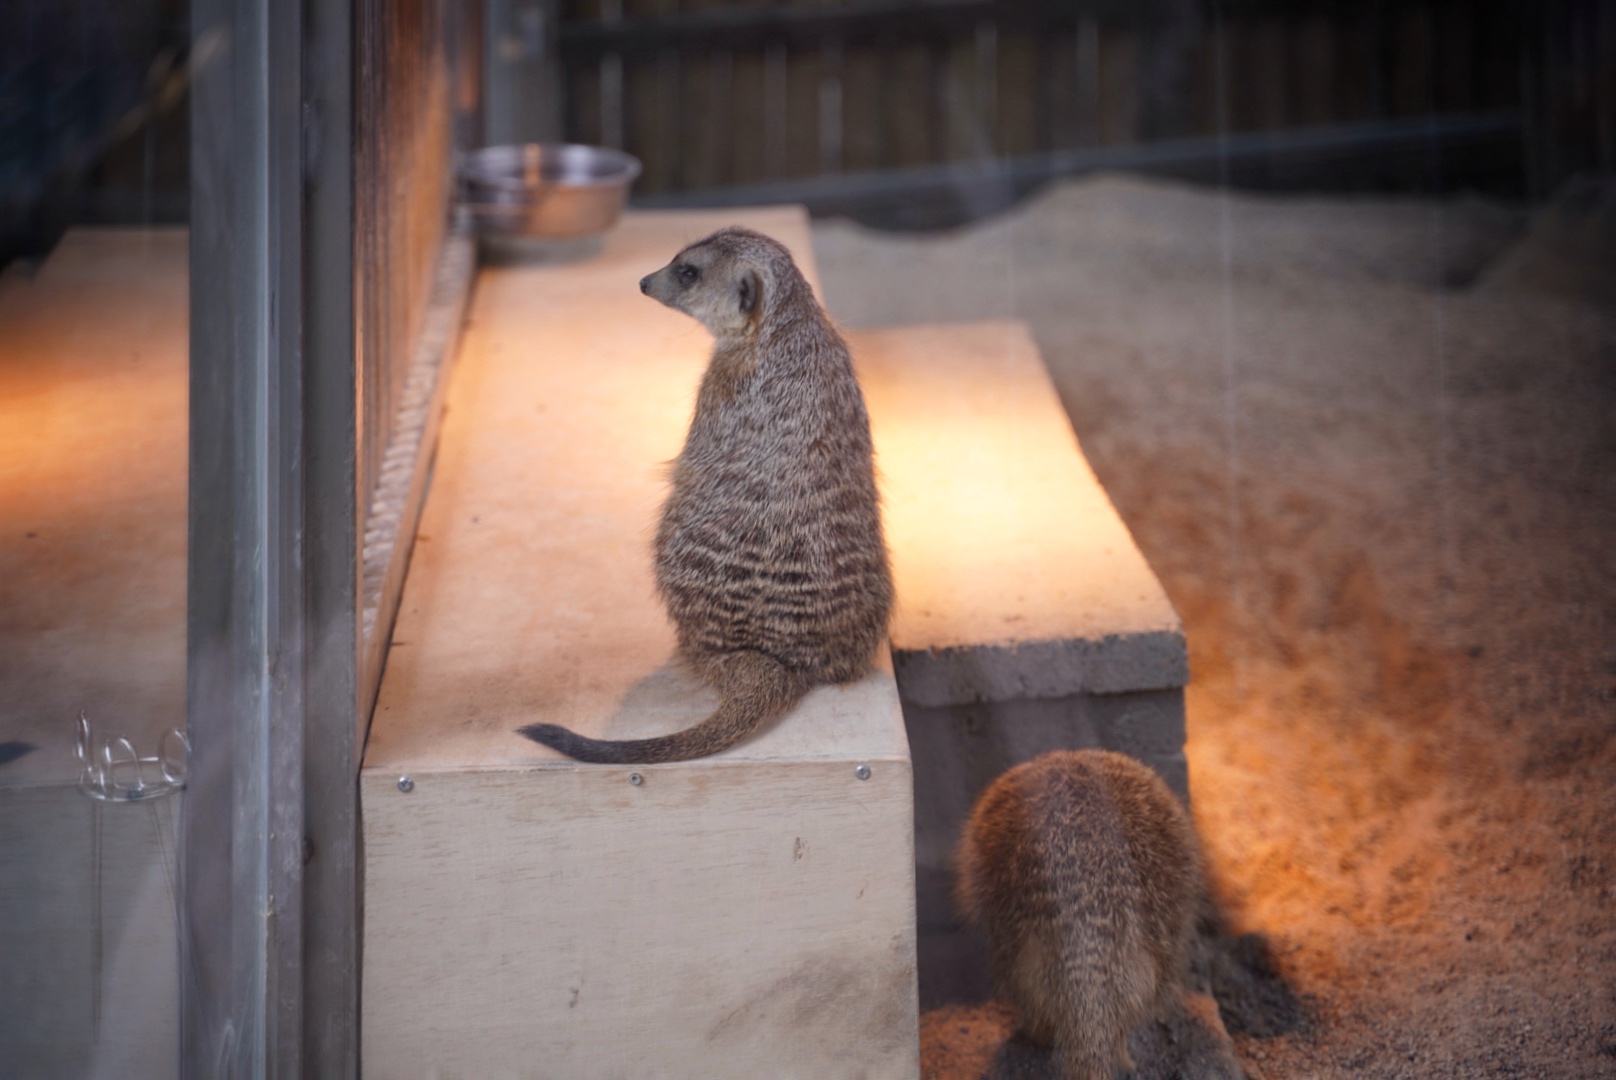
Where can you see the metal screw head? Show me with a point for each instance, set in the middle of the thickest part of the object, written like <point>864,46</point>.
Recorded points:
<point>636,779</point>
<point>862,772</point>
<point>406,785</point>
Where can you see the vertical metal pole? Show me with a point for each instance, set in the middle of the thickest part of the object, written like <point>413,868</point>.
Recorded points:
<point>271,625</point>
<point>331,552</point>
<point>244,668</point>
<point>278,572</point>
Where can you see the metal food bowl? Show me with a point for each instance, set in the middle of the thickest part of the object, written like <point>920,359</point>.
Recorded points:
<point>546,191</point>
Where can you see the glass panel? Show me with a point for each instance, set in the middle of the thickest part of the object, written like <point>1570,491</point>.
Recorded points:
<point>1325,293</point>
<point>93,400</point>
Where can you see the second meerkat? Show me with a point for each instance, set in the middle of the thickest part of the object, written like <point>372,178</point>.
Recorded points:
<point>1084,872</point>
<point>769,553</point>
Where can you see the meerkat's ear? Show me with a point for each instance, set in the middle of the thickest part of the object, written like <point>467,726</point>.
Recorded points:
<point>749,292</point>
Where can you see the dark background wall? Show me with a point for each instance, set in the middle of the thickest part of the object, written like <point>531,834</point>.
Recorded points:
<point>880,109</point>
<point>907,113</point>
<point>93,124</point>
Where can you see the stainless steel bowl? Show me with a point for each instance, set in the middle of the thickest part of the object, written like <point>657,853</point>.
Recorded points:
<point>550,191</point>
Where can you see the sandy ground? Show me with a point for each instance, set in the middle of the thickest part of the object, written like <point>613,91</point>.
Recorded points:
<point>1370,448</point>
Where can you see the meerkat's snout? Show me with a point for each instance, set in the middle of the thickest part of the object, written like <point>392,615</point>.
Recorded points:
<point>663,287</point>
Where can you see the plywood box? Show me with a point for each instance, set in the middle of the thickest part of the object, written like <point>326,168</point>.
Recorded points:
<point>746,915</point>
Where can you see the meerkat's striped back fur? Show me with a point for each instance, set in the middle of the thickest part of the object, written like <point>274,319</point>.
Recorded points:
<point>769,553</point>
<point>1083,870</point>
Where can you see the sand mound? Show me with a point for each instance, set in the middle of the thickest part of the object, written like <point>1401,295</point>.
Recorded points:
<point>1370,448</point>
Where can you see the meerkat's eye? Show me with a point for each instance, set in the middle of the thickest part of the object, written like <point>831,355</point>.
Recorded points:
<point>687,274</point>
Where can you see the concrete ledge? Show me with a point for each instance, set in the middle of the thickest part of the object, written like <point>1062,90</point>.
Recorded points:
<point>1113,664</point>
<point>1018,586</point>
<point>1015,576</point>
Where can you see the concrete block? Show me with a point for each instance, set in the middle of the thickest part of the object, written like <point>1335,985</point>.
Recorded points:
<point>1015,576</point>
<point>958,750</point>
<point>1027,619</point>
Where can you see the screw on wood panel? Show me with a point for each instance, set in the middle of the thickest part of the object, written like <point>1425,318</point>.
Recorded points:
<point>636,779</point>
<point>862,772</point>
<point>406,785</point>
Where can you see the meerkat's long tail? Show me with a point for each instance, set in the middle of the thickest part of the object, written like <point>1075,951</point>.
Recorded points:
<point>752,688</point>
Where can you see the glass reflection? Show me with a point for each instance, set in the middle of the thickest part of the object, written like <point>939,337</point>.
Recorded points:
<point>93,400</point>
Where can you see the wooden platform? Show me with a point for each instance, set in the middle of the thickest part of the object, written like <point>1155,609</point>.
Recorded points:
<point>93,378</point>
<point>750,914</point>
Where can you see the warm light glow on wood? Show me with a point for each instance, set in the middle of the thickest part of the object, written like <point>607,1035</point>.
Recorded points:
<point>530,595</point>
<point>999,529</point>
<point>93,393</point>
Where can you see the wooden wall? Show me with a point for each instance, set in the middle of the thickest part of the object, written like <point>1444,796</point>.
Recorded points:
<point>712,94</point>
<point>1569,73</point>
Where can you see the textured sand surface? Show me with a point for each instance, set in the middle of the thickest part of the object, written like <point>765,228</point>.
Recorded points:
<point>1370,448</point>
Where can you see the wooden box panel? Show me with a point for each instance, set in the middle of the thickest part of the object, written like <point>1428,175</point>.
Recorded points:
<point>721,918</point>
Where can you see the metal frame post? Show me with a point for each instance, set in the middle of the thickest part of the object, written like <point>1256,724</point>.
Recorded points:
<point>269,959</point>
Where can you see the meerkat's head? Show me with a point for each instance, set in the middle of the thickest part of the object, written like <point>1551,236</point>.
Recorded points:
<point>729,282</point>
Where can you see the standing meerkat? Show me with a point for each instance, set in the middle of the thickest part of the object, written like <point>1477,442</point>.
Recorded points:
<point>1084,872</point>
<point>769,553</point>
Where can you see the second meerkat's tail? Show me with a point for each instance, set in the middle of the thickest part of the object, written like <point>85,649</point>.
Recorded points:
<point>752,689</point>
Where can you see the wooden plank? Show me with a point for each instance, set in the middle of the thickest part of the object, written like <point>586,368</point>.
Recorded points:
<point>1061,88</point>
<point>1204,74</point>
<point>739,920</point>
<point>1027,619</point>
<point>1412,78</point>
<point>1355,91</point>
<point>1019,101</point>
<point>582,110</point>
<point>1259,76</point>
<point>803,139</point>
<point>1313,67</point>
<point>968,138</point>
<point>747,118</point>
<point>909,89</point>
<point>1119,111</point>
<point>703,118</point>
<point>862,109</point>
<point>643,116</point>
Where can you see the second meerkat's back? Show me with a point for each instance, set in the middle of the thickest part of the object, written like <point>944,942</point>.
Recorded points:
<point>1084,872</point>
